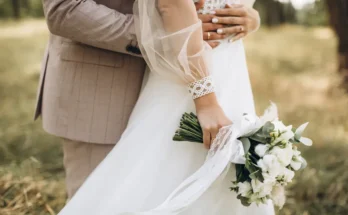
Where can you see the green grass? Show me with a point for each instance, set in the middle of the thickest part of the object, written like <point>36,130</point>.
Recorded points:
<point>295,67</point>
<point>290,65</point>
<point>22,46</point>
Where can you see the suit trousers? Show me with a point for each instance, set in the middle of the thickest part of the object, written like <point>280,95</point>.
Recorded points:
<point>80,159</point>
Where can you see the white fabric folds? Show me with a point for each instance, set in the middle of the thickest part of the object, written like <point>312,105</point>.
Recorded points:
<point>226,149</point>
<point>164,51</point>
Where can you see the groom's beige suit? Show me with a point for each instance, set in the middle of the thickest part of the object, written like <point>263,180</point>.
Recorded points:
<point>90,79</point>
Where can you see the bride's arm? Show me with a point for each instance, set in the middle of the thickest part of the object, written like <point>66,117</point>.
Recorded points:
<point>178,15</point>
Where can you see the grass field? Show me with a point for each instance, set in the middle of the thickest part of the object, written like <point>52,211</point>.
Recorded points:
<point>291,65</point>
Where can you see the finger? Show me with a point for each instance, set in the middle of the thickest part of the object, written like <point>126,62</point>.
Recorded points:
<point>213,134</point>
<point>231,11</point>
<point>206,139</point>
<point>232,30</point>
<point>238,36</point>
<point>214,44</point>
<point>231,20</point>
<point>213,36</point>
<point>211,27</point>
<point>206,18</point>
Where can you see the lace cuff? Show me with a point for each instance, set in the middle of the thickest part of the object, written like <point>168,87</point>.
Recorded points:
<point>201,87</point>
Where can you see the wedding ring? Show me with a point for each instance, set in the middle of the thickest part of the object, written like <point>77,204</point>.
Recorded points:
<point>209,35</point>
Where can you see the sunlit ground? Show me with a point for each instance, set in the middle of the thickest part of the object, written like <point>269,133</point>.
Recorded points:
<point>292,66</point>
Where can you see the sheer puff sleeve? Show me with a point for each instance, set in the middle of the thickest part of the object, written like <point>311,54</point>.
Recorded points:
<point>172,44</point>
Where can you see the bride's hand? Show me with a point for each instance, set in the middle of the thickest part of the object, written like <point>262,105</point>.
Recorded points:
<point>211,117</point>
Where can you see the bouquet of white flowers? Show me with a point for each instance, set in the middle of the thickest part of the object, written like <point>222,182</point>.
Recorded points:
<point>271,158</point>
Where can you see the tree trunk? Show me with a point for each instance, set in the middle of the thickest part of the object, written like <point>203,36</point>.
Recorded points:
<point>274,13</point>
<point>16,8</point>
<point>338,10</point>
<point>26,5</point>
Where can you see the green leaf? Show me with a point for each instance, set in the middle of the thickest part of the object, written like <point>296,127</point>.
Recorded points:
<point>251,168</point>
<point>258,175</point>
<point>306,141</point>
<point>268,128</point>
<point>254,174</point>
<point>246,144</point>
<point>299,131</point>
<point>258,138</point>
<point>242,174</point>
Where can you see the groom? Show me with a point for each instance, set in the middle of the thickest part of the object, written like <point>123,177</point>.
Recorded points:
<point>92,74</point>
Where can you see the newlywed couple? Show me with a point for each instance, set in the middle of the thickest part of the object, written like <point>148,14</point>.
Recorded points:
<point>92,75</point>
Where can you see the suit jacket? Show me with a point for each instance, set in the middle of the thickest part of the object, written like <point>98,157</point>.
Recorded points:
<point>92,70</point>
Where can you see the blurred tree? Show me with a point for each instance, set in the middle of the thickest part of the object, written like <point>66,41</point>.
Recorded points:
<point>338,10</point>
<point>313,14</point>
<point>16,9</point>
<point>274,13</point>
<point>20,8</point>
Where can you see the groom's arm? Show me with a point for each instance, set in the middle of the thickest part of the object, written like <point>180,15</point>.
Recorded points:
<point>90,23</point>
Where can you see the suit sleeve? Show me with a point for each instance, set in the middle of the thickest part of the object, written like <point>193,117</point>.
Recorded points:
<point>93,24</point>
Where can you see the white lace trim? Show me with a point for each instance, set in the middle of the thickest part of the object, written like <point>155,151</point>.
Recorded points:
<point>211,5</point>
<point>201,87</point>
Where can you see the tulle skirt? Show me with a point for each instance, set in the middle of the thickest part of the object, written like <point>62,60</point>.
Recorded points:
<point>146,165</point>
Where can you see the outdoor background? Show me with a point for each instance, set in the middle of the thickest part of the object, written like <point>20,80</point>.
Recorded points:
<point>296,60</point>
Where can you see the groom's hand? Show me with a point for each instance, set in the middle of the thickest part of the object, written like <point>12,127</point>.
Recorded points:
<point>234,19</point>
<point>240,19</point>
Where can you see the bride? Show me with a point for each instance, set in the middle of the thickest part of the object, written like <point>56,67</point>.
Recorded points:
<point>147,172</point>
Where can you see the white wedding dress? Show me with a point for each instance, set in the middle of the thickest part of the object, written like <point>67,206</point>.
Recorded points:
<point>146,166</point>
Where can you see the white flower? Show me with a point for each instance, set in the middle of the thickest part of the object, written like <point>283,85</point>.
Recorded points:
<point>278,125</point>
<point>296,164</point>
<point>303,162</point>
<point>261,149</point>
<point>298,135</point>
<point>285,136</point>
<point>270,164</point>
<point>274,134</point>
<point>244,189</point>
<point>254,198</point>
<point>295,151</point>
<point>269,178</point>
<point>278,196</point>
<point>297,160</point>
<point>261,189</point>
<point>285,132</point>
<point>284,155</point>
<point>287,175</point>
